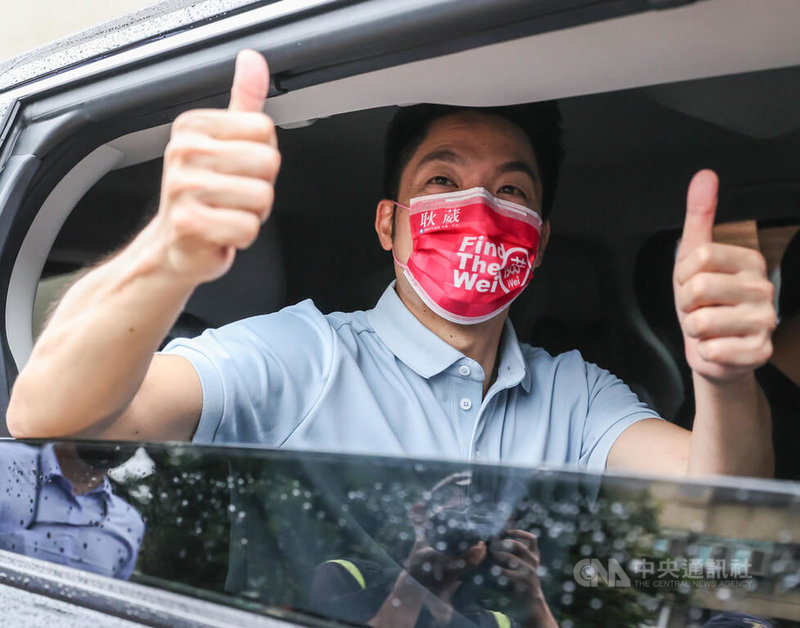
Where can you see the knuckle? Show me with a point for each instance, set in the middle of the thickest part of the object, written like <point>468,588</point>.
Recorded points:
<point>177,184</point>
<point>184,121</point>
<point>701,322</point>
<point>266,126</point>
<point>697,288</point>
<point>183,147</point>
<point>250,231</point>
<point>704,253</point>
<point>767,349</point>
<point>275,160</point>
<point>770,320</point>
<point>712,351</point>
<point>176,151</point>
<point>184,223</point>
<point>262,194</point>
<point>768,291</point>
<point>758,262</point>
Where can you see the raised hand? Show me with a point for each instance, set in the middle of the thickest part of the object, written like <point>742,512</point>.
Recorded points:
<point>722,295</point>
<point>220,168</point>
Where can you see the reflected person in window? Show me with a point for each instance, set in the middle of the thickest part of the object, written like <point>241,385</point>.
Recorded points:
<point>59,506</point>
<point>405,378</point>
<point>464,543</point>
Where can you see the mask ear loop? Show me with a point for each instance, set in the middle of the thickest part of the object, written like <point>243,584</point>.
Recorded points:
<point>394,214</point>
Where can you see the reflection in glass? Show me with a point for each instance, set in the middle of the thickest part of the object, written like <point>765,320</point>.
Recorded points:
<point>463,538</point>
<point>401,542</point>
<point>58,505</point>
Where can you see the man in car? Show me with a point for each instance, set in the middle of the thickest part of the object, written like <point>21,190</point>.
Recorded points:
<point>434,370</point>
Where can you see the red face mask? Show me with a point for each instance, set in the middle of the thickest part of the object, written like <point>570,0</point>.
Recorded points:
<point>472,253</point>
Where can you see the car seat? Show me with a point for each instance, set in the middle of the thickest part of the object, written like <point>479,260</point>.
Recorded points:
<point>575,301</point>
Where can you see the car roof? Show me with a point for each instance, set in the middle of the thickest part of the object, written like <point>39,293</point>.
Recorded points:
<point>131,29</point>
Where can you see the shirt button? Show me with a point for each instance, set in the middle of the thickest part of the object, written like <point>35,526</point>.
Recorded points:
<point>466,404</point>
<point>464,370</point>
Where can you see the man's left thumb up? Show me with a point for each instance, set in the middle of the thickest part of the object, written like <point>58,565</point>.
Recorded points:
<point>701,207</point>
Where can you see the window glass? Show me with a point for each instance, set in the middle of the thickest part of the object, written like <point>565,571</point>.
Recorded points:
<point>354,538</point>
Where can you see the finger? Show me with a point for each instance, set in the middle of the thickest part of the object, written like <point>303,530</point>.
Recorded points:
<point>525,537</point>
<point>524,582</point>
<point>701,206</point>
<point>724,321</point>
<point>223,190</point>
<point>225,125</point>
<point>250,82</point>
<point>708,289</point>
<point>525,556</point>
<point>719,258</point>
<point>201,226</point>
<point>748,352</point>
<point>517,576</point>
<point>511,561</point>
<point>245,159</point>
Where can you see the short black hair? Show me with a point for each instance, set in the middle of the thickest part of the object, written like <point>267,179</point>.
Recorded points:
<point>540,122</point>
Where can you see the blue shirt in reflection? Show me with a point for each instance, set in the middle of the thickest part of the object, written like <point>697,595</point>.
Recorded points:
<point>41,516</point>
<point>380,382</point>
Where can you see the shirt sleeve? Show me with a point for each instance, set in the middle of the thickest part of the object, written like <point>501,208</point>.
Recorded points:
<point>612,408</point>
<point>260,376</point>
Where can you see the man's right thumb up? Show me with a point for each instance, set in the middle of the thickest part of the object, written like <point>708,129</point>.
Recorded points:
<point>250,82</point>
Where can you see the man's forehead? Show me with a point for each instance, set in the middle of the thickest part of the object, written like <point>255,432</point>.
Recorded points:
<point>476,131</point>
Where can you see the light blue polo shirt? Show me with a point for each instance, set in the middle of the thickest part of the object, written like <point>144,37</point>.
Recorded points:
<point>379,382</point>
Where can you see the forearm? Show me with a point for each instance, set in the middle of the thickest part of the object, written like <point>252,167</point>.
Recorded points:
<point>732,432</point>
<point>403,606</point>
<point>93,354</point>
<point>539,614</point>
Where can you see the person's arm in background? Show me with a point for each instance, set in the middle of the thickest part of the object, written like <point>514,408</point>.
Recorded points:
<point>92,372</point>
<point>725,306</point>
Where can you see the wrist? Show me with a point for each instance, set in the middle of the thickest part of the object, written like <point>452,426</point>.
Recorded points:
<point>741,386</point>
<point>148,257</point>
<point>540,612</point>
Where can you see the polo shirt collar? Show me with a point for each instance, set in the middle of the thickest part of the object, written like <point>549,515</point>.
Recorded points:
<point>416,345</point>
<point>51,469</point>
<point>427,354</point>
<point>512,369</point>
<point>49,461</point>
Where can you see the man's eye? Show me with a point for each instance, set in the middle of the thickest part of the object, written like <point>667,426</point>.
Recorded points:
<point>440,180</point>
<point>513,190</point>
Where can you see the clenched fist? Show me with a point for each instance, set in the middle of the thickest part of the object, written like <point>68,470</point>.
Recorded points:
<point>217,189</point>
<point>724,300</point>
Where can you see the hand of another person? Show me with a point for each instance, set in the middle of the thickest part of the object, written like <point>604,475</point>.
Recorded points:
<point>440,573</point>
<point>725,302</point>
<point>517,556</point>
<point>218,182</point>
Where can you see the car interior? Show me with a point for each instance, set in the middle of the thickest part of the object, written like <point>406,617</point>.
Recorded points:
<point>619,210</point>
<point>636,129</point>
<point>604,287</point>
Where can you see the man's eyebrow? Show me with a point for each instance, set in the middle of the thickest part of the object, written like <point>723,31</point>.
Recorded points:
<point>519,166</point>
<point>443,154</point>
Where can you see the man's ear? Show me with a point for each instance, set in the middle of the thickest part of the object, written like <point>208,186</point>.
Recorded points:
<point>543,240</point>
<point>384,223</point>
